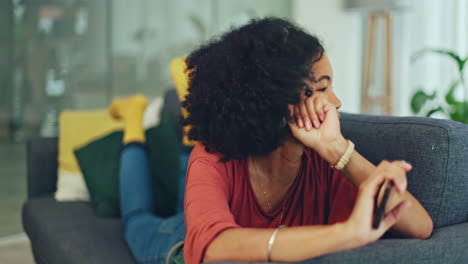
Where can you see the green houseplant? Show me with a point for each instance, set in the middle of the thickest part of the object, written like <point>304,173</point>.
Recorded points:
<point>429,104</point>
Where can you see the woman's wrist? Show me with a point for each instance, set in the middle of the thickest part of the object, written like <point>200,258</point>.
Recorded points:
<point>332,152</point>
<point>348,236</point>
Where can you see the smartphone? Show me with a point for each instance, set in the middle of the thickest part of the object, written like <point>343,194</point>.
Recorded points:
<point>380,202</point>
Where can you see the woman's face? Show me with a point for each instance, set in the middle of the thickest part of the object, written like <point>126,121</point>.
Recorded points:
<point>321,80</point>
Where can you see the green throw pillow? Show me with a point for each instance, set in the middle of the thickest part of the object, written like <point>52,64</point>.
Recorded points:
<point>100,160</point>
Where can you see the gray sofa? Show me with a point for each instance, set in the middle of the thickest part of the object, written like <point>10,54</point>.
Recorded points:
<point>438,149</point>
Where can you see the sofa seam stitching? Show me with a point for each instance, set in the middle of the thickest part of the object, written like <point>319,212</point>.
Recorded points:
<point>397,123</point>
<point>445,180</point>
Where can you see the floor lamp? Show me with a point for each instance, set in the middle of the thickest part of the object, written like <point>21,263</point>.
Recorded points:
<point>377,10</point>
<point>384,100</point>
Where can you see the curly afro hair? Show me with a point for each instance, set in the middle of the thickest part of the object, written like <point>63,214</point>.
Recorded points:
<point>240,85</point>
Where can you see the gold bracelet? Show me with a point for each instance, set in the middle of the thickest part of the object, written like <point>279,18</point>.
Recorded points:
<point>272,241</point>
<point>345,158</point>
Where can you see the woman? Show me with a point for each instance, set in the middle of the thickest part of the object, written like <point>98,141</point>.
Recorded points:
<point>272,178</point>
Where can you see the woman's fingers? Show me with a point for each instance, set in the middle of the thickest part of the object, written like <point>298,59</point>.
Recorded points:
<point>368,192</point>
<point>393,171</point>
<point>366,196</point>
<point>397,171</point>
<point>305,116</point>
<point>298,117</point>
<point>393,216</point>
<point>310,108</point>
<point>311,112</point>
<point>404,165</point>
<point>385,171</point>
<point>371,186</point>
<point>319,105</point>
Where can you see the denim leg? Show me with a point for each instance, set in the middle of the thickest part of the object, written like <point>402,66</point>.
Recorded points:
<point>184,158</point>
<point>134,180</point>
<point>148,236</point>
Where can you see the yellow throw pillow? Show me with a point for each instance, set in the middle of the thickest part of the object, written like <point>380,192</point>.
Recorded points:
<point>181,83</point>
<point>78,128</point>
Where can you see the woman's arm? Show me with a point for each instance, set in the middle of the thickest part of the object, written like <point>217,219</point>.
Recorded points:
<point>212,234</point>
<point>291,244</point>
<point>329,143</point>
<point>300,243</point>
<point>416,223</point>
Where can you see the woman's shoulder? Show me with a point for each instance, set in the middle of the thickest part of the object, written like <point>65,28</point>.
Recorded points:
<point>200,151</point>
<point>210,165</point>
<point>201,155</point>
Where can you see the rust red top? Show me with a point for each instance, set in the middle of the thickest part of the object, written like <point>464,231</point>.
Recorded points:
<point>219,196</point>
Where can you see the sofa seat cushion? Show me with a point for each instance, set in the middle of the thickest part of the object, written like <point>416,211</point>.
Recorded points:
<point>447,245</point>
<point>70,232</point>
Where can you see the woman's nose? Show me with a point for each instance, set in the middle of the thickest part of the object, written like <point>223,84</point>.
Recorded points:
<point>335,101</point>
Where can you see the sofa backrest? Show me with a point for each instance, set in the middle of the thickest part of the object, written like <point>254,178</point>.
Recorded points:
<point>437,149</point>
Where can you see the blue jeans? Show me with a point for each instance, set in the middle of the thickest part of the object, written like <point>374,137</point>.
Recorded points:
<point>150,238</point>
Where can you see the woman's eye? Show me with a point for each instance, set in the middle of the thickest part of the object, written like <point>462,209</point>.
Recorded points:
<point>323,89</point>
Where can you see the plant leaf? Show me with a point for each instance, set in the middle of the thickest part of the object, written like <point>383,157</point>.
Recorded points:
<point>450,96</point>
<point>453,55</point>
<point>460,62</point>
<point>463,64</point>
<point>435,110</point>
<point>460,112</point>
<point>419,99</point>
<point>418,55</point>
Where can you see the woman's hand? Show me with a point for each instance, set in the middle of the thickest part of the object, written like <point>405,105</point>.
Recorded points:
<point>316,125</point>
<point>360,221</point>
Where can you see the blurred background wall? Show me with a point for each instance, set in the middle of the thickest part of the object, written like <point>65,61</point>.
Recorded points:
<point>79,54</point>
<point>421,24</point>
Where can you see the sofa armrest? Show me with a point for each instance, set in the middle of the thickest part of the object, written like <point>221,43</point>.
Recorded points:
<point>41,166</point>
<point>437,149</point>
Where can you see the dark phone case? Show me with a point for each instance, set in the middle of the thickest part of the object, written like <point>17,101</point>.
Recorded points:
<point>379,211</point>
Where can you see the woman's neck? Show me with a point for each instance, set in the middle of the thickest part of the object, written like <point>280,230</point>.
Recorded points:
<point>282,165</point>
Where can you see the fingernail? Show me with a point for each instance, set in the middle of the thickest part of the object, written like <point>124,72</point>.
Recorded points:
<point>301,125</point>
<point>316,124</point>
<point>308,125</point>
<point>409,164</point>
<point>402,188</point>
